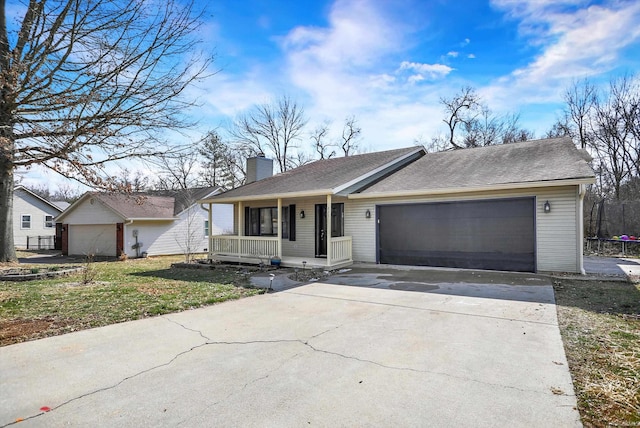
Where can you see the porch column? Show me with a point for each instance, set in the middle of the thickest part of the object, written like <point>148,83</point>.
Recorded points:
<point>280,228</point>
<point>328,231</point>
<point>240,225</point>
<point>210,218</point>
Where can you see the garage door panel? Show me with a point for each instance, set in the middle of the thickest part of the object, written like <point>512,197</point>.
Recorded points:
<point>99,239</point>
<point>495,234</point>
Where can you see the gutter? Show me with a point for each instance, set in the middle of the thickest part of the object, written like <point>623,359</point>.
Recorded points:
<point>449,190</point>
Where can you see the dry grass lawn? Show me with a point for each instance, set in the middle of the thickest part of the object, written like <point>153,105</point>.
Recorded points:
<point>600,326</point>
<point>120,291</point>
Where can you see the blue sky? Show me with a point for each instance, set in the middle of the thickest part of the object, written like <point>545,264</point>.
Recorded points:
<point>389,62</point>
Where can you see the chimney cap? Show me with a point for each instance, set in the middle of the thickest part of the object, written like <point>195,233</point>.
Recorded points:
<point>260,155</point>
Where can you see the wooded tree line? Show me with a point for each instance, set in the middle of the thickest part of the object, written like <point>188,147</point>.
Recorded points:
<point>606,123</point>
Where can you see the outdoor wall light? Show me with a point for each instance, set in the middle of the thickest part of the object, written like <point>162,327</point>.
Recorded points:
<point>302,214</point>
<point>367,214</point>
<point>547,207</point>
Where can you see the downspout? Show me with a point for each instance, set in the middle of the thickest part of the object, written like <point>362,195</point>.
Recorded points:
<point>582,190</point>
<point>209,219</point>
<point>124,234</point>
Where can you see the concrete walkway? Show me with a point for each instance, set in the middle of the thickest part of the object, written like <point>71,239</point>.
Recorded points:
<point>460,354</point>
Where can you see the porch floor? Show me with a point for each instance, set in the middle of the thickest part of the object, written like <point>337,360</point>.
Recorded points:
<point>287,261</point>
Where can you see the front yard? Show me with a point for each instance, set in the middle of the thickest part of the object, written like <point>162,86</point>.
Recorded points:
<point>599,320</point>
<point>120,291</point>
<point>600,327</point>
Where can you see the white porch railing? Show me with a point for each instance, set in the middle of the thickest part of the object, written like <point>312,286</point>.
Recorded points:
<point>340,249</point>
<point>261,247</point>
<point>243,246</point>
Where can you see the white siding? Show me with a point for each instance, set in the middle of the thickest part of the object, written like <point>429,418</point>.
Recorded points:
<point>556,232</point>
<point>92,213</point>
<point>174,237</point>
<point>26,204</point>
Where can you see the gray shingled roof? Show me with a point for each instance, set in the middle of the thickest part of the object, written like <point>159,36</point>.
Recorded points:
<point>527,162</point>
<point>323,175</point>
<point>153,204</point>
<point>138,205</point>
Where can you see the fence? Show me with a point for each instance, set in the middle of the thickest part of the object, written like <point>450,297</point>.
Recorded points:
<point>41,242</point>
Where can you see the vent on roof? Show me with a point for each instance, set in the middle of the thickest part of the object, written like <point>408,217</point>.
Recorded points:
<point>258,168</point>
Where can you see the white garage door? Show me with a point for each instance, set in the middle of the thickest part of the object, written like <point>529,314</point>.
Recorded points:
<point>96,239</point>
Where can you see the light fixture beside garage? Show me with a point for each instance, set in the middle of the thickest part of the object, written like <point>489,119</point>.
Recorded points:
<point>367,214</point>
<point>547,207</point>
<point>301,213</point>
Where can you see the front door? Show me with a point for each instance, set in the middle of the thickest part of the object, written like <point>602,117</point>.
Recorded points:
<point>321,230</point>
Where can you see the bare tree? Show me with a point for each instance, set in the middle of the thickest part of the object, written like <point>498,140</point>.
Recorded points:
<point>131,181</point>
<point>179,171</point>
<point>612,136</point>
<point>321,142</point>
<point>350,135</point>
<point>462,109</point>
<point>84,83</point>
<point>580,98</point>
<point>472,124</point>
<point>272,128</point>
<point>560,128</point>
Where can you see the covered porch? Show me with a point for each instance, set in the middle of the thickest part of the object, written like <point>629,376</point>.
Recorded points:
<point>279,228</point>
<point>256,250</point>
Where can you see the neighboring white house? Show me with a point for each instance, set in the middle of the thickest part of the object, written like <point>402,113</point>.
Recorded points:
<point>158,223</point>
<point>33,220</point>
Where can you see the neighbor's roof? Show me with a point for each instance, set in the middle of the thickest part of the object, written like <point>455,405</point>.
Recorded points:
<point>184,198</point>
<point>321,177</point>
<point>538,162</point>
<point>155,205</point>
<point>138,205</point>
<point>34,195</point>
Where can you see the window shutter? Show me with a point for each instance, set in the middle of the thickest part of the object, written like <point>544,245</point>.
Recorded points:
<point>247,221</point>
<point>292,222</point>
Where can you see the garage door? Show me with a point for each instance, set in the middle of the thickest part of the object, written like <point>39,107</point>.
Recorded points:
<point>488,234</point>
<point>99,239</point>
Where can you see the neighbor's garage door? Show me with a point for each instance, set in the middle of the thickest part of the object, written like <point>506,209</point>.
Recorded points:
<point>98,239</point>
<point>488,234</point>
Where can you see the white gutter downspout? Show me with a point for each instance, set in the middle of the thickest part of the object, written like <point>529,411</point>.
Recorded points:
<point>209,219</point>
<point>125,235</point>
<point>580,225</point>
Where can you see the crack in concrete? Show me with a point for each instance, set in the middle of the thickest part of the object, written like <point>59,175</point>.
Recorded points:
<point>187,328</point>
<point>252,342</point>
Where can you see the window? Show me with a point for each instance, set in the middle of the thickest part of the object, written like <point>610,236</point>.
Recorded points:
<point>48,221</point>
<point>206,228</point>
<point>25,221</point>
<point>264,222</point>
<point>337,220</point>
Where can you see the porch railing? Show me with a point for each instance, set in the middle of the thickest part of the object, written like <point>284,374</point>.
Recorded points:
<point>340,249</point>
<point>243,246</point>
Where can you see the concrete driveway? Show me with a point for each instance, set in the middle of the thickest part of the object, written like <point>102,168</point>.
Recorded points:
<point>392,349</point>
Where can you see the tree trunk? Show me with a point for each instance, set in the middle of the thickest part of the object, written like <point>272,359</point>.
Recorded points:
<point>7,248</point>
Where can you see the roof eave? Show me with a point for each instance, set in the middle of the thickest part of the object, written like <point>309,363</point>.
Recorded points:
<point>152,218</point>
<point>290,195</point>
<point>493,187</point>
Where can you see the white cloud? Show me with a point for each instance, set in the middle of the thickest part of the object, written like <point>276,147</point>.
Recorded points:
<point>432,71</point>
<point>453,54</point>
<point>471,56</point>
<point>574,40</point>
